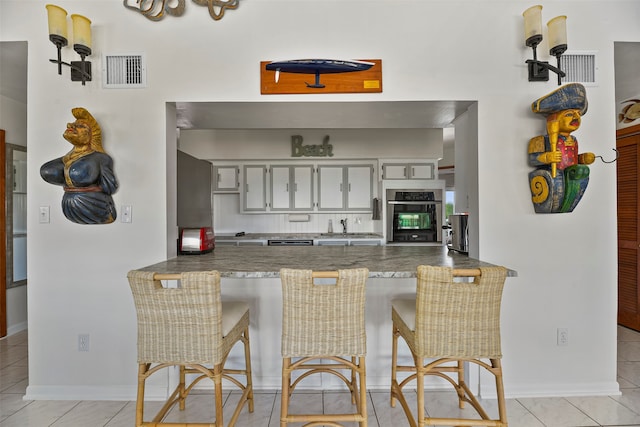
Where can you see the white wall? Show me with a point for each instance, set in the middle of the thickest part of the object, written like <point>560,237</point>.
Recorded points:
<point>627,57</point>
<point>432,50</point>
<point>347,143</point>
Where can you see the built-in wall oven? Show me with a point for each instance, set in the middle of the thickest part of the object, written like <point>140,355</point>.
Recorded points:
<point>414,216</point>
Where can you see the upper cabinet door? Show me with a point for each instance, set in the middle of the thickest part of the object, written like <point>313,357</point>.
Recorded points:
<point>330,187</point>
<point>393,171</point>
<point>302,188</point>
<point>408,170</point>
<point>359,187</point>
<point>421,171</point>
<point>292,188</point>
<point>255,188</point>
<point>225,178</point>
<point>280,188</point>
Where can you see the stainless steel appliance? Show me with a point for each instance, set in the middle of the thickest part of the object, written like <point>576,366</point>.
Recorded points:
<point>459,235</point>
<point>414,216</point>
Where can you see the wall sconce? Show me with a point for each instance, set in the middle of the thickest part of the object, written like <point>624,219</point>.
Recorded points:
<point>539,70</point>
<point>80,70</point>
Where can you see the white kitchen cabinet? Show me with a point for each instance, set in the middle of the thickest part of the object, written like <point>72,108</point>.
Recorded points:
<point>225,179</point>
<point>359,187</point>
<point>252,243</point>
<point>226,243</point>
<point>255,188</point>
<point>365,242</point>
<point>408,171</point>
<point>330,187</point>
<point>291,188</point>
<point>328,242</point>
<point>257,242</point>
<point>345,187</point>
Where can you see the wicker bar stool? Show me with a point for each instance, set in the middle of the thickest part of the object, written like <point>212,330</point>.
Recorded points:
<point>451,322</point>
<point>324,321</point>
<point>192,328</point>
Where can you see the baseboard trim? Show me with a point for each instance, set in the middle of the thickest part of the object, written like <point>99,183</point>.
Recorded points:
<point>18,327</point>
<point>610,388</point>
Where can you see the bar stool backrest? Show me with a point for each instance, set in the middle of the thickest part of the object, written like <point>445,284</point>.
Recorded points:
<point>323,319</point>
<point>455,318</point>
<point>178,325</point>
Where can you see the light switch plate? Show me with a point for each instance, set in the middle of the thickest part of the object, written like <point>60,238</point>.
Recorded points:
<point>44,215</point>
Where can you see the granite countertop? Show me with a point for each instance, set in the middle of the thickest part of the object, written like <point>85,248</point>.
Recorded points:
<point>266,261</point>
<point>298,236</point>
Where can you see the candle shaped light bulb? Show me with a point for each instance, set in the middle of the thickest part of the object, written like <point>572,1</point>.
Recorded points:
<point>533,25</point>
<point>557,35</point>
<point>57,18</point>
<point>81,34</point>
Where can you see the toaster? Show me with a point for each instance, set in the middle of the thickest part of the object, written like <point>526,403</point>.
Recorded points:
<point>196,240</point>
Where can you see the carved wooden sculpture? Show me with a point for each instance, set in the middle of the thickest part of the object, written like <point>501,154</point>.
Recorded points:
<point>86,173</point>
<point>561,174</point>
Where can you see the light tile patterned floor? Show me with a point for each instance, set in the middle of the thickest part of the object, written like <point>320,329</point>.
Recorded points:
<point>612,411</point>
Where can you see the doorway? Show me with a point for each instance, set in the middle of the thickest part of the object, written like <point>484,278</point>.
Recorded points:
<point>13,87</point>
<point>628,146</point>
<point>627,81</point>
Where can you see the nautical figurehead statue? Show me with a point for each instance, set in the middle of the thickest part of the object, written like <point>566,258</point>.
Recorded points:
<point>86,173</point>
<point>561,174</point>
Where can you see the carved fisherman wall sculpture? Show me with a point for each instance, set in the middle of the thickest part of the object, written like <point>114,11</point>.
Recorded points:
<point>561,174</point>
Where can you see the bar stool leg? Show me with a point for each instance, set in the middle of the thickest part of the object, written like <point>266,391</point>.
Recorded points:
<point>247,361</point>
<point>394,363</point>
<point>286,380</point>
<point>362,407</point>
<point>142,369</point>
<point>502,408</point>
<point>181,386</point>
<point>217,381</point>
<point>420,391</point>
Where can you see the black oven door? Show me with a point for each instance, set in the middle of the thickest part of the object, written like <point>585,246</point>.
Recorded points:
<point>414,221</point>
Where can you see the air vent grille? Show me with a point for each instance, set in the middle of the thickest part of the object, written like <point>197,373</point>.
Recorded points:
<point>124,71</point>
<point>580,67</point>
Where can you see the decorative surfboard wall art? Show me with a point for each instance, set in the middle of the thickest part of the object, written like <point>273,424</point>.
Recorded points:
<point>302,76</point>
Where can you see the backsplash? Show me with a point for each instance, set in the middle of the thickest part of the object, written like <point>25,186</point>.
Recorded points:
<point>228,220</point>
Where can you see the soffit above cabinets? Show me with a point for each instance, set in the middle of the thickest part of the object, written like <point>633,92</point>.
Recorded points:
<point>319,115</point>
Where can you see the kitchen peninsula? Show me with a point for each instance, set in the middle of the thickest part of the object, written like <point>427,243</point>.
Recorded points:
<point>251,273</point>
<point>266,262</point>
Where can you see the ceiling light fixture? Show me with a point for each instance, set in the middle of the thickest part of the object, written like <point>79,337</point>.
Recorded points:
<point>557,29</point>
<point>57,16</point>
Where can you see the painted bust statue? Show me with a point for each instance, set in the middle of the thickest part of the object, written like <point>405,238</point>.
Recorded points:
<point>561,174</point>
<point>86,173</point>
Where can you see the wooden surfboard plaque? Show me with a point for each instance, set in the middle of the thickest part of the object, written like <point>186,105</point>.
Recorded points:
<point>366,81</point>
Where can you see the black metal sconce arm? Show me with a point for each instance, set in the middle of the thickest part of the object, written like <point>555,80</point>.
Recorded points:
<point>80,70</point>
<point>539,70</point>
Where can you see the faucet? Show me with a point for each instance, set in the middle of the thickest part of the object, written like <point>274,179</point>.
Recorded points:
<point>344,225</point>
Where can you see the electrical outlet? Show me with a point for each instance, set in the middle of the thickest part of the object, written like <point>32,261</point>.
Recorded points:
<point>125,213</point>
<point>83,342</point>
<point>563,336</point>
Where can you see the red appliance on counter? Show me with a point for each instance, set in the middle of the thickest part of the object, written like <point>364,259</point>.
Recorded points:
<point>194,241</point>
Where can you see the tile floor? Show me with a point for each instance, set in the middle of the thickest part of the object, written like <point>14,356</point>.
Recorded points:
<point>616,411</point>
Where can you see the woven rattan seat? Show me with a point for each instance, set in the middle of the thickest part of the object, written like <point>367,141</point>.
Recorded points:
<point>189,327</point>
<point>454,319</point>
<point>324,321</point>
